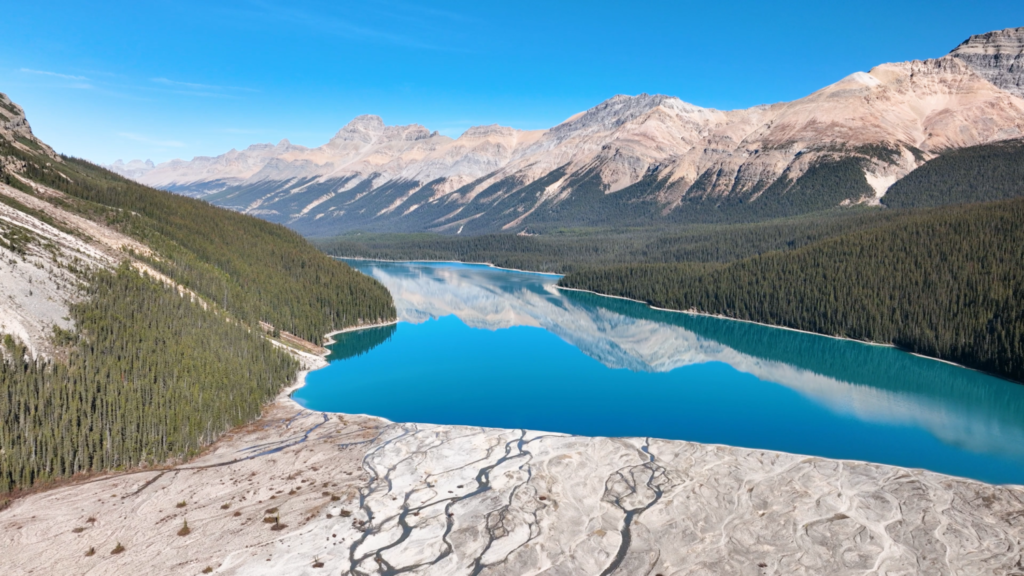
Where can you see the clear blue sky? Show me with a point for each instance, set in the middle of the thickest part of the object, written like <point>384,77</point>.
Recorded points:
<point>161,79</point>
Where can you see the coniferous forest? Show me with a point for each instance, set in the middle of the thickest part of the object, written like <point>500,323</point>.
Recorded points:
<point>947,283</point>
<point>150,373</point>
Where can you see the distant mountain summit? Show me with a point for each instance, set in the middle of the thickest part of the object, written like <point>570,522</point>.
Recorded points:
<point>631,160</point>
<point>134,169</point>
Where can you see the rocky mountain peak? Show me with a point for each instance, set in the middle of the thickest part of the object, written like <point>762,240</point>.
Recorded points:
<point>364,128</point>
<point>475,132</point>
<point>996,56</point>
<point>615,112</point>
<point>1008,41</point>
<point>261,147</point>
<point>412,180</point>
<point>405,133</point>
<point>370,129</point>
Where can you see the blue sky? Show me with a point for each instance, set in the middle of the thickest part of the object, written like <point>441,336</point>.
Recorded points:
<point>164,80</point>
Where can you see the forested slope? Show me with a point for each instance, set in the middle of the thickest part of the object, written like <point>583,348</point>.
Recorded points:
<point>149,375</point>
<point>154,368</point>
<point>568,250</point>
<point>976,174</point>
<point>946,283</point>
<point>255,269</point>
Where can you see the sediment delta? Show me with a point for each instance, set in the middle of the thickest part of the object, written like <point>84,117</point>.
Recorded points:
<point>301,492</point>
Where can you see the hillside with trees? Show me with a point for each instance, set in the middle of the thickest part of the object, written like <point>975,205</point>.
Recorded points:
<point>572,249</point>
<point>156,368</point>
<point>976,174</point>
<point>254,269</point>
<point>945,283</point>
<point>148,376</point>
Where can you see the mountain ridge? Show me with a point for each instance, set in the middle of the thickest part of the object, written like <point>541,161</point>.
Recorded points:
<point>630,160</point>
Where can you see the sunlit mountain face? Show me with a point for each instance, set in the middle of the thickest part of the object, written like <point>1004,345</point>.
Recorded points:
<point>700,378</point>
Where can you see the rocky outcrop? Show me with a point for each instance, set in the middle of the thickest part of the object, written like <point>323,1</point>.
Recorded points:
<point>672,160</point>
<point>15,129</point>
<point>996,56</point>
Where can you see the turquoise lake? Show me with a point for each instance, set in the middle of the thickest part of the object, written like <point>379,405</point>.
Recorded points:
<point>486,347</point>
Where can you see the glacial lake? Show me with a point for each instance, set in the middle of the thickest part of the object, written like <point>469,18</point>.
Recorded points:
<point>482,346</point>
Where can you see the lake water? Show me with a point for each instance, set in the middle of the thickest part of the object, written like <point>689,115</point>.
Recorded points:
<point>487,347</point>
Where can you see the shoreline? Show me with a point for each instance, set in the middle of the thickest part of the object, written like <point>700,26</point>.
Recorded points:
<point>690,312</point>
<point>723,317</point>
<point>488,264</point>
<point>313,362</point>
<point>329,337</point>
<point>777,327</point>
<point>300,380</point>
<point>344,465</point>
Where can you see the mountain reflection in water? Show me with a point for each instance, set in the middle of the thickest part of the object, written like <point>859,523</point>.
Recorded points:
<point>662,374</point>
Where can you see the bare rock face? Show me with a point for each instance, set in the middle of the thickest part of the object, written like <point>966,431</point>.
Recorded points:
<point>996,56</point>
<point>14,128</point>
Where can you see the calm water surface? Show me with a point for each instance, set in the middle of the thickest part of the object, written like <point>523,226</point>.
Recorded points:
<point>487,347</point>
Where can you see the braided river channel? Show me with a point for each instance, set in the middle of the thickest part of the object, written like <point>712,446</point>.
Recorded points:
<point>481,346</point>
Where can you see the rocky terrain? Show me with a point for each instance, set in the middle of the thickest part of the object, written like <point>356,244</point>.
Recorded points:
<point>629,160</point>
<point>997,56</point>
<point>40,266</point>
<point>300,492</point>
<point>44,249</point>
<point>14,128</point>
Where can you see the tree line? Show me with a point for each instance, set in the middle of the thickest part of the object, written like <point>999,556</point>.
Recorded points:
<point>946,283</point>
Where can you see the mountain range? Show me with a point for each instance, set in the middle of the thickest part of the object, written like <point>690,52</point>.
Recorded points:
<point>631,160</point>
